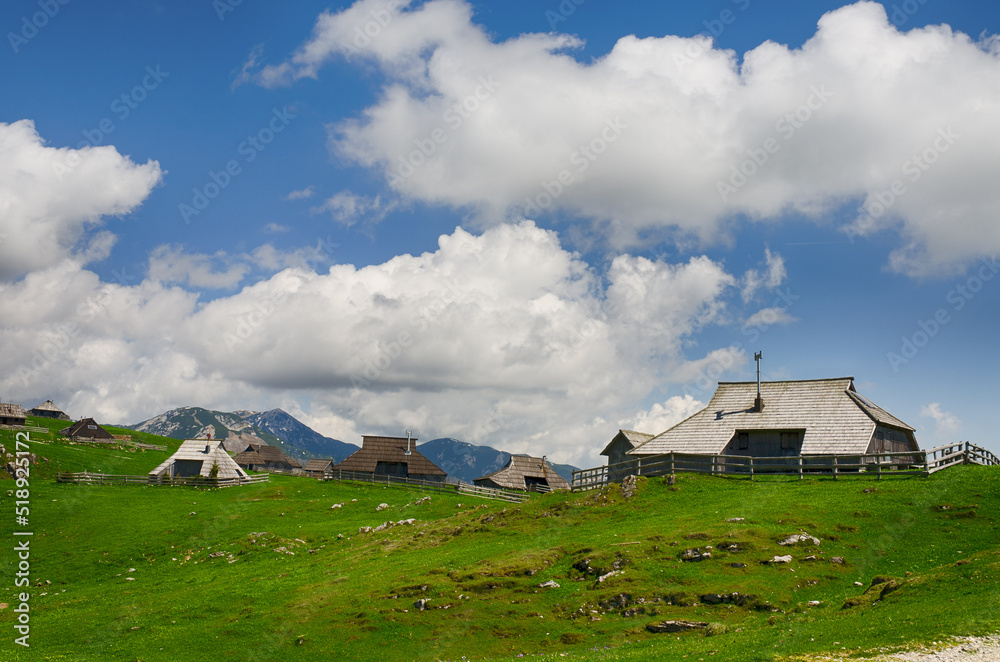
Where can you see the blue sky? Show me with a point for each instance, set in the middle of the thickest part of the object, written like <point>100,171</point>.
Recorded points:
<point>519,224</point>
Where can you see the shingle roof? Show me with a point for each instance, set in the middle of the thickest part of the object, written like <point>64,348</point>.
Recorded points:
<point>631,436</point>
<point>834,417</point>
<point>86,428</point>
<point>318,464</point>
<point>519,467</point>
<point>48,405</point>
<point>389,449</point>
<point>208,453</point>
<point>11,410</point>
<point>260,454</point>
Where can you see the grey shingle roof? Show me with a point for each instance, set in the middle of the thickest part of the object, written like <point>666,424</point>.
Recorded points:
<point>631,436</point>
<point>519,467</point>
<point>834,418</point>
<point>318,464</point>
<point>206,452</point>
<point>262,455</point>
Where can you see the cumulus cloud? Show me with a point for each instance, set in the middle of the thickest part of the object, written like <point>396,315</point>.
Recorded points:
<point>504,338</point>
<point>50,197</point>
<point>671,132</point>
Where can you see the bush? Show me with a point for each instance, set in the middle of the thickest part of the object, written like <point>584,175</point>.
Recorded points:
<point>714,629</point>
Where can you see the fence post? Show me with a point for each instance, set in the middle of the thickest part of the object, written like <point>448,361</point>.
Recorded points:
<point>672,462</point>
<point>800,466</point>
<point>751,468</point>
<point>835,467</point>
<point>878,467</point>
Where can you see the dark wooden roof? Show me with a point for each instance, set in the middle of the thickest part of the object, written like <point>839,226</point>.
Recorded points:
<point>261,454</point>
<point>86,428</point>
<point>389,449</point>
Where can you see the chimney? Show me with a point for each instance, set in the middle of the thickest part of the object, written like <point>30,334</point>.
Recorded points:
<point>758,403</point>
<point>408,442</point>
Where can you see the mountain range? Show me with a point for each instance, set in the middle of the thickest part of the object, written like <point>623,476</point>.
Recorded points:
<point>461,460</point>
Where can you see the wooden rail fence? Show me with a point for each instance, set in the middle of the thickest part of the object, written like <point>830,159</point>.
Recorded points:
<point>510,496</point>
<point>88,478</point>
<point>910,463</point>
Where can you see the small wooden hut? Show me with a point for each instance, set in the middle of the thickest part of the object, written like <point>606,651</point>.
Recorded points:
<point>260,457</point>
<point>523,472</point>
<point>12,414</point>
<point>87,430</point>
<point>196,457</point>
<point>617,449</point>
<point>48,410</point>
<point>317,466</point>
<point>391,456</point>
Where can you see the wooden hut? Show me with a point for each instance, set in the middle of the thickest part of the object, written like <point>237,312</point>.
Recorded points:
<point>261,457</point>
<point>48,410</point>
<point>317,466</point>
<point>787,419</point>
<point>523,472</point>
<point>87,430</point>
<point>197,457</point>
<point>12,414</point>
<point>617,449</point>
<point>391,456</point>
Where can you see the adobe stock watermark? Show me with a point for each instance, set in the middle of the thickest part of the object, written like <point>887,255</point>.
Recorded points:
<point>562,12</point>
<point>879,203</point>
<point>453,119</point>
<point>31,25</point>
<point>581,158</point>
<point>363,35</point>
<point>786,126</point>
<point>122,106</point>
<point>249,149</point>
<point>714,27</point>
<point>927,329</point>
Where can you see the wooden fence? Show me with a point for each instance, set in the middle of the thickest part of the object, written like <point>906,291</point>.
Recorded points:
<point>88,478</point>
<point>910,463</point>
<point>510,496</point>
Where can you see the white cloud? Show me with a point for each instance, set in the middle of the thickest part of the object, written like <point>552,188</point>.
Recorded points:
<point>675,119</point>
<point>774,275</point>
<point>503,338</point>
<point>50,198</point>
<point>346,208</point>
<point>274,228</point>
<point>174,264</point>
<point>301,194</point>
<point>766,317</point>
<point>946,424</point>
<point>662,417</point>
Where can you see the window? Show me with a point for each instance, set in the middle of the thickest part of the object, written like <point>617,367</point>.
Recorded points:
<point>91,427</point>
<point>742,441</point>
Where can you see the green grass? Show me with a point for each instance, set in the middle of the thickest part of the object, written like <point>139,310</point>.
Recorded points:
<point>230,596</point>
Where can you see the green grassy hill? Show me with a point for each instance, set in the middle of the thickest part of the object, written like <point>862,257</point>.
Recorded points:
<point>272,572</point>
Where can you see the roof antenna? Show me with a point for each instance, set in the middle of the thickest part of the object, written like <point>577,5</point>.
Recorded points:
<point>407,443</point>
<point>758,404</point>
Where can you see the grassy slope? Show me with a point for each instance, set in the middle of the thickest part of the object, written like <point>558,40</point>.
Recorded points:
<point>337,601</point>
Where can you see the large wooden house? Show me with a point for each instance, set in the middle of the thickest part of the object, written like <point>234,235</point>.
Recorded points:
<point>48,410</point>
<point>786,419</point>
<point>391,456</point>
<point>526,473</point>
<point>261,457</point>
